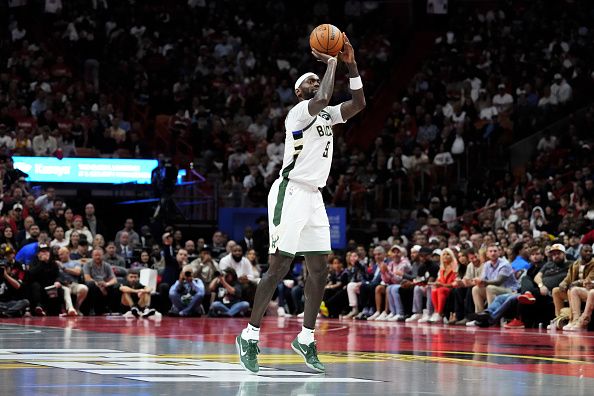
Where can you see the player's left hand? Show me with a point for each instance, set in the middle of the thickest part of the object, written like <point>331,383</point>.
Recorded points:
<point>347,55</point>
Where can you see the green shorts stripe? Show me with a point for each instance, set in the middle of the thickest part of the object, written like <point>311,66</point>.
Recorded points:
<point>313,253</point>
<point>280,198</point>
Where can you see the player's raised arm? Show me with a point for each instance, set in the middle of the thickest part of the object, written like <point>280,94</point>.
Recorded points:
<point>322,98</point>
<point>349,108</point>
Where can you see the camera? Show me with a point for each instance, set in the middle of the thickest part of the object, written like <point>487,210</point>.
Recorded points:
<point>3,263</point>
<point>217,274</point>
<point>187,274</point>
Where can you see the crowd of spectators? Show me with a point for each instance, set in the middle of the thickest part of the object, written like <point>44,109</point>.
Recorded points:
<point>227,88</point>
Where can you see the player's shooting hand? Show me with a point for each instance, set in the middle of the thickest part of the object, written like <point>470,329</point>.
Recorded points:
<point>322,57</point>
<point>347,55</point>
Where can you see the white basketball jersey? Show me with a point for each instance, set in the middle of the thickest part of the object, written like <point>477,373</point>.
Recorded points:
<point>309,144</point>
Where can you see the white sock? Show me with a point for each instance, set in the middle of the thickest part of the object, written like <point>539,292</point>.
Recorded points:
<point>306,336</point>
<point>251,333</point>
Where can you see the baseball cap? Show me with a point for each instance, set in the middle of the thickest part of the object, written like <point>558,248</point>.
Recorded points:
<point>425,250</point>
<point>437,251</point>
<point>501,86</point>
<point>558,76</point>
<point>77,217</point>
<point>17,206</point>
<point>43,246</point>
<point>433,239</point>
<point>416,248</point>
<point>559,247</point>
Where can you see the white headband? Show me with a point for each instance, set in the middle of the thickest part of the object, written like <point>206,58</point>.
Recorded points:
<point>303,78</point>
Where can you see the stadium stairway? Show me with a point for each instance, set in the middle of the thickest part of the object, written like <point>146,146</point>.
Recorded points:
<point>364,132</point>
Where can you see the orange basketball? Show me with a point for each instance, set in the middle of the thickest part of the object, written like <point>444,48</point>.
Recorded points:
<point>326,39</point>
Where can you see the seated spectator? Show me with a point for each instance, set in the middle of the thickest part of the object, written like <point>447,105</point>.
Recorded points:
<point>335,296</point>
<point>446,280</point>
<point>77,224</point>
<point>252,257</point>
<point>45,288</point>
<point>98,242</point>
<point>391,274</point>
<point>82,253</point>
<point>427,273</point>
<point>133,237</point>
<point>463,303</point>
<point>359,272</point>
<point>59,239</point>
<point>12,275</point>
<point>551,275</point>
<point>367,288</point>
<point>498,278</point>
<point>186,294</point>
<point>240,264</point>
<point>228,302</point>
<point>144,261</point>
<point>70,278</point>
<point>111,257</point>
<point>136,298</point>
<point>101,281</point>
<point>124,249</point>
<point>578,283</point>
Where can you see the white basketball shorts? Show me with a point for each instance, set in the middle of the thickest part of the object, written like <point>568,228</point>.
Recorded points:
<point>297,219</point>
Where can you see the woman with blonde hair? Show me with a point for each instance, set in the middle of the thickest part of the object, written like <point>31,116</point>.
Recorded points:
<point>446,280</point>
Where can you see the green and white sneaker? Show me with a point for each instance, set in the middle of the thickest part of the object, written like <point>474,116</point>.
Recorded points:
<point>309,354</point>
<point>248,354</point>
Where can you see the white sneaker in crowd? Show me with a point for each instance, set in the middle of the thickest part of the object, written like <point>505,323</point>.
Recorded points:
<point>281,312</point>
<point>426,317</point>
<point>383,316</point>
<point>435,318</point>
<point>374,316</point>
<point>390,316</point>
<point>396,318</point>
<point>414,318</point>
<point>472,323</point>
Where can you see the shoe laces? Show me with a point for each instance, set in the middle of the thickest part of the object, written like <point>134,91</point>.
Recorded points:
<point>312,351</point>
<point>253,349</point>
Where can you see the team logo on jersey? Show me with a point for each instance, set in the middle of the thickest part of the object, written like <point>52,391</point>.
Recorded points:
<point>325,115</point>
<point>274,240</point>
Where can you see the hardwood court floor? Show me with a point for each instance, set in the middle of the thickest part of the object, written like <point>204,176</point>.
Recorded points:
<point>117,356</point>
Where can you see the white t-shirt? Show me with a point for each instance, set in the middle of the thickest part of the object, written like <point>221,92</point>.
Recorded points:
<point>244,267</point>
<point>309,144</point>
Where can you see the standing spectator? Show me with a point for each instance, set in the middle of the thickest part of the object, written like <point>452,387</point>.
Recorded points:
<point>173,265</point>
<point>228,302</point>
<point>101,280</point>
<point>186,294</point>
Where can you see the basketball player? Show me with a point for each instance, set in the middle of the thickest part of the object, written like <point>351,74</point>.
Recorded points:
<point>297,217</point>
